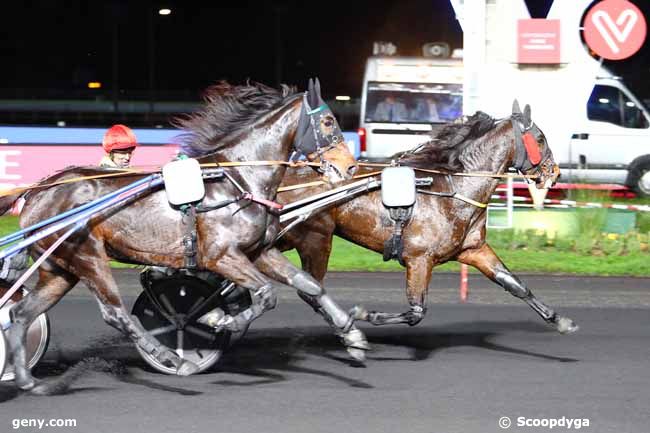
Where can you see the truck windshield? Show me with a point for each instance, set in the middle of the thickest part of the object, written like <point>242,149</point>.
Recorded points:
<point>413,102</point>
<point>609,104</point>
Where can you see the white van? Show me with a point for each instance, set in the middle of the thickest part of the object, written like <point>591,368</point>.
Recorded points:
<point>402,98</point>
<point>609,140</point>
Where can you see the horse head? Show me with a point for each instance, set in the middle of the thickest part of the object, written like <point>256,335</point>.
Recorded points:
<point>532,155</point>
<point>319,137</point>
<point>257,122</point>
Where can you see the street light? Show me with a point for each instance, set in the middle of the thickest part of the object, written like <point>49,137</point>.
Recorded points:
<point>152,50</point>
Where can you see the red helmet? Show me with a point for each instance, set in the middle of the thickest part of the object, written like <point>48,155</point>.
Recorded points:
<point>119,137</point>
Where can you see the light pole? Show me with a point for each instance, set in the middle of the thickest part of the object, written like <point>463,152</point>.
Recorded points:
<point>116,11</point>
<point>116,68</point>
<point>152,56</point>
<point>151,12</point>
<point>279,13</point>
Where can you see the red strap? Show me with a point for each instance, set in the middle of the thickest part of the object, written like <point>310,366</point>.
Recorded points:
<point>532,148</point>
<point>263,201</point>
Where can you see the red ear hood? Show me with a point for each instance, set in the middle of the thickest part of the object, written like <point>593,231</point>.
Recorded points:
<point>532,148</point>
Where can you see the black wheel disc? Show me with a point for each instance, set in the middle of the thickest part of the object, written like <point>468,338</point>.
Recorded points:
<point>182,300</point>
<point>3,352</point>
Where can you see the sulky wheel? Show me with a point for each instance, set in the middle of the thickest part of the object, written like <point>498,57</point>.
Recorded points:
<point>3,352</point>
<point>168,309</point>
<point>38,337</point>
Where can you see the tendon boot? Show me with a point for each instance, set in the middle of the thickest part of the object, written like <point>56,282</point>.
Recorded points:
<point>355,343</point>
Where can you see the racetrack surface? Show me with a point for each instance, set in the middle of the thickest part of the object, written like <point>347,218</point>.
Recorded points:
<point>464,367</point>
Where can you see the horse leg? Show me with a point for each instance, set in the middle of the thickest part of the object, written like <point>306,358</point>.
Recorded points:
<point>53,284</point>
<point>418,276</point>
<point>485,260</point>
<point>97,276</point>
<point>236,267</point>
<point>314,252</point>
<point>276,266</point>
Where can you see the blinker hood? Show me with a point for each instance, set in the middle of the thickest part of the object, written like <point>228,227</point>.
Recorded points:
<point>318,130</point>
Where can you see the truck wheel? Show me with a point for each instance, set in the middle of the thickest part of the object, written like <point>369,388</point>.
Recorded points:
<point>640,180</point>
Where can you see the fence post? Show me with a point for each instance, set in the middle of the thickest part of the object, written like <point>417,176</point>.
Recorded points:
<point>463,282</point>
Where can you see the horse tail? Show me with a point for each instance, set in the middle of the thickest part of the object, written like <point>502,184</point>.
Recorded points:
<point>7,202</point>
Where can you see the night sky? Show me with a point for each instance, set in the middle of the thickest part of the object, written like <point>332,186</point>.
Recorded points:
<point>53,48</point>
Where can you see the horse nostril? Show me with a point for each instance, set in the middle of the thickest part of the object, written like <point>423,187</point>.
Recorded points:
<point>352,170</point>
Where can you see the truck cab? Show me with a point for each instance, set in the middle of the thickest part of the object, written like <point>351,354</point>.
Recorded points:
<point>611,141</point>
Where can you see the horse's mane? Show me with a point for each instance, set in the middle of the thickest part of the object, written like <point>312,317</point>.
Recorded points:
<point>228,109</point>
<point>443,151</point>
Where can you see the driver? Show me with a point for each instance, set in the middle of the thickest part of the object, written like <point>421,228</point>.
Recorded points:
<point>119,143</point>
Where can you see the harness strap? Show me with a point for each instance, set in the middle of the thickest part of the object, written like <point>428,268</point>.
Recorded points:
<point>18,284</point>
<point>190,238</point>
<point>203,209</point>
<point>320,182</point>
<point>140,170</point>
<point>268,203</point>
<point>470,201</point>
<point>456,196</point>
<point>246,195</point>
<point>394,246</point>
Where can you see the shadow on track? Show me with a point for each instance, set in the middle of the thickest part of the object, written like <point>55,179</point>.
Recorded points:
<point>266,356</point>
<point>424,342</point>
<point>280,350</point>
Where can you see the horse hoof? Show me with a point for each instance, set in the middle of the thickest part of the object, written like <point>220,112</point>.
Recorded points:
<point>357,354</point>
<point>40,389</point>
<point>25,384</point>
<point>355,339</point>
<point>187,368</point>
<point>358,313</point>
<point>564,325</point>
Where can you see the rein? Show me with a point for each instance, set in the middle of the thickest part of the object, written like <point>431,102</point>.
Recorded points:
<point>375,173</point>
<point>136,171</point>
<point>426,170</point>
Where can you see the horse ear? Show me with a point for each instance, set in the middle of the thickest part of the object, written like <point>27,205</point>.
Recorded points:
<point>515,107</point>
<point>527,117</point>
<point>317,89</point>
<point>310,93</point>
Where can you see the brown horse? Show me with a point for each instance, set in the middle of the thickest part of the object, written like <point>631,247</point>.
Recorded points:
<point>441,228</point>
<point>238,123</point>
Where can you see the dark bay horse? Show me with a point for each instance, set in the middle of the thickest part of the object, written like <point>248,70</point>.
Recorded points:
<point>238,123</point>
<point>441,228</point>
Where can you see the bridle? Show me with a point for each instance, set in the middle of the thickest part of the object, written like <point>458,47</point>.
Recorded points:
<point>315,135</point>
<point>527,153</point>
